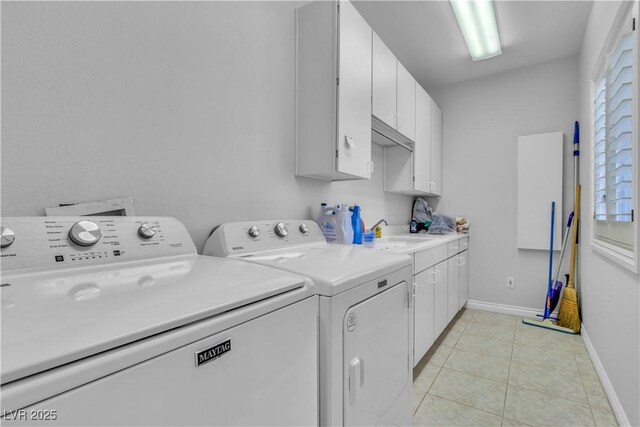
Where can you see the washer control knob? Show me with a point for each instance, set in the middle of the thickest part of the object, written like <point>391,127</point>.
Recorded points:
<point>281,230</point>
<point>7,236</point>
<point>147,231</point>
<point>254,231</point>
<point>85,233</point>
<point>303,228</point>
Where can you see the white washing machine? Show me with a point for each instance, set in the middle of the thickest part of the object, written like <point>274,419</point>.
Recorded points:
<point>365,315</point>
<point>118,321</point>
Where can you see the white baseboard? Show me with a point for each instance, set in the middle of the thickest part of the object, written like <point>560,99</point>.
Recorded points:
<point>616,406</point>
<point>502,308</point>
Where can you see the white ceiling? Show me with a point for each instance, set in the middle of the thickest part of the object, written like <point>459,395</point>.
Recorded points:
<point>425,36</point>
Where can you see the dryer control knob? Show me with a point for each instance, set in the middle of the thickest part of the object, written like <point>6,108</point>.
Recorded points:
<point>7,236</point>
<point>254,232</point>
<point>85,233</point>
<point>281,230</point>
<point>303,228</point>
<point>147,231</point>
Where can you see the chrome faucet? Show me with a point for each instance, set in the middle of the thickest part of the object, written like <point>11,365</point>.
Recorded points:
<point>378,223</point>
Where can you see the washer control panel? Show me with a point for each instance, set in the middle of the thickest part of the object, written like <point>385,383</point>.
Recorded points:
<point>242,237</point>
<point>40,242</point>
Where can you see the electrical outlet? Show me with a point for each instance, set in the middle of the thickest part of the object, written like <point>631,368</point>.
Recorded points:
<point>511,282</point>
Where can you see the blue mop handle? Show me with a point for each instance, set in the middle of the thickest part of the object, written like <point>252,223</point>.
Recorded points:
<point>547,305</point>
<point>576,139</point>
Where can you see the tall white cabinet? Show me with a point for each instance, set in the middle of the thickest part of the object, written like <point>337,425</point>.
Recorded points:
<point>333,92</point>
<point>418,172</point>
<point>384,88</point>
<point>406,103</point>
<point>422,149</point>
<point>435,144</point>
<point>394,97</point>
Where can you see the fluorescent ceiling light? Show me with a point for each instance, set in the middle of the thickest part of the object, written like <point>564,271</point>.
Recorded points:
<point>478,24</point>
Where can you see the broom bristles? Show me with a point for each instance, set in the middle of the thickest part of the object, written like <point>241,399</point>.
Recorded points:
<point>568,316</point>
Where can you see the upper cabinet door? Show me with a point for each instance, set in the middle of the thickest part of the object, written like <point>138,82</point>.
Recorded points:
<point>406,103</point>
<point>422,148</point>
<point>384,82</point>
<point>436,149</point>
<point>354,93</point>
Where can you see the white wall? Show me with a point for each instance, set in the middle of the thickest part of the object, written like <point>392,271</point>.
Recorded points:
<point>482,120</point>
<point>610,295</point>
<point>188,107</point>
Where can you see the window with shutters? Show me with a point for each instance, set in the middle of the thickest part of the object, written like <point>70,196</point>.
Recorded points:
<point>615,143</point>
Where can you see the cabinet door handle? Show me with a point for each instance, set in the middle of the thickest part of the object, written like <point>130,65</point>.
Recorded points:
<point>460,261</point>
<point>349,141</point>
<point>438,275</point>
<point>370,166</point>
<point>356,377</point>
<point>350,145</point>
<point>434,276</point>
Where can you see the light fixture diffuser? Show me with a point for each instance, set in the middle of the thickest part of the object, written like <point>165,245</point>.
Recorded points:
<point>478,24</point>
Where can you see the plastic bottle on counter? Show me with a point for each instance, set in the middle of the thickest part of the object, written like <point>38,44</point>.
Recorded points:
<point>344,232</point>
<point>327,222</point>
<point>413,226</point>
<point>356,223</point>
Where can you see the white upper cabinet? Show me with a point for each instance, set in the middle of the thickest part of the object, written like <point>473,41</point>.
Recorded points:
<point>394,99</point>
<point>333,92</point>
<point>436,149</point>
<point>406,104</point>
<point>418,172</point>
<point>384,82</point>
<point>422,148</point>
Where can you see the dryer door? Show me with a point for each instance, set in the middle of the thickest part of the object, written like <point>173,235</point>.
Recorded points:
<point>376,362</point>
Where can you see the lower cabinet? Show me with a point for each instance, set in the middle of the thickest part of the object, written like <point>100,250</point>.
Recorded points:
<point>453,286</point>
<point>430,308</point>
<point>440,291</point>
<point>440,319</point>
<point>423,314</point>
<point>458,285</point>
<point>464,278</point>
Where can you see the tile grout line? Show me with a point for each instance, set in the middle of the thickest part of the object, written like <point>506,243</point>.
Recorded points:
<point>585,390</point>
<point>506,390</point>
<point>463,404</point>
<point>473,375</point>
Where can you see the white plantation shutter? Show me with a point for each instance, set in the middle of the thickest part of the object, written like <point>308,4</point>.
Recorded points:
<point>599,167</point>
<point>613,112</point>
<point>620,130</point>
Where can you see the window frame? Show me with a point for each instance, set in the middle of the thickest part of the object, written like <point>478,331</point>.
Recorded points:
<point>625,257</point>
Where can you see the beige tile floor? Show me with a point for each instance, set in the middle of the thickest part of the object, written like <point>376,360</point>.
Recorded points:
<point>489,369</point>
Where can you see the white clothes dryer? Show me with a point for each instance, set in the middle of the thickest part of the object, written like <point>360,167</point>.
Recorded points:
<point>118,321</point>
<point>365,315</point>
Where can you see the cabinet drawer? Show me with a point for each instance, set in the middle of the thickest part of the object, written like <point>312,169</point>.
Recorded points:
<point>464,244</point>
<point>428,258</point>
<point>453,248</point>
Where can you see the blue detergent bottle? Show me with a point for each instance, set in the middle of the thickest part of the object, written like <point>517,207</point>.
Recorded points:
<point>356,223</point>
